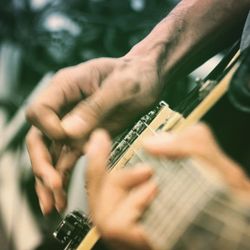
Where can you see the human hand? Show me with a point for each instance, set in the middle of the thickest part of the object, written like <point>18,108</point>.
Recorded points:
<point>107,93</point>
<point>199,143</point>
<point>117,199</point>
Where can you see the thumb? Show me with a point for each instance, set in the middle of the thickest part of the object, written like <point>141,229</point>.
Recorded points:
<point>97,155</point>
<point>88,114</point>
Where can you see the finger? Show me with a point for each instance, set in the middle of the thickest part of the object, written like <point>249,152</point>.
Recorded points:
<point>45,197</point>
<point>55,151</point>
<point>66,89</point>
<point>139,198</point>
<point>97,155</point>
<point>91,112</point>
<point>132,177</point>
<point>88,114</point>
<point>60,199</point>
<point>41,161</point>
<point>194,141</point>
<point>65,163</point>
<point>130,211</point>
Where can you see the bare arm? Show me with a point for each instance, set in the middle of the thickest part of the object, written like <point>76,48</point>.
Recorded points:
<point>191,33</point>
<point>113,92</point>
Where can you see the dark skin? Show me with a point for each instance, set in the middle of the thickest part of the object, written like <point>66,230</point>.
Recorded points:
<point>113,92</point>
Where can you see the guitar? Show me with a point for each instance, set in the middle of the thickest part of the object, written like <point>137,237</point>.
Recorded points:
<point>195,208</point>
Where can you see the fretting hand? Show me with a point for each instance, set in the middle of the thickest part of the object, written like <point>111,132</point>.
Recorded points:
<point>118,199</point>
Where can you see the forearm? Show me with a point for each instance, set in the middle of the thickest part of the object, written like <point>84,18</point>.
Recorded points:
<point>191,33</point>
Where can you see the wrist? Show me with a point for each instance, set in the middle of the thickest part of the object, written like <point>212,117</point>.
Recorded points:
<point>165,46</point>
<point>150,54</point>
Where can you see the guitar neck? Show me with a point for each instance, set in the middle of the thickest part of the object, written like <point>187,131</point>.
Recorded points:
<point>193,205</point>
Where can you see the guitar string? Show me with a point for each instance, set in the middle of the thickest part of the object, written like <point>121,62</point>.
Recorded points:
<point>179,206</point>
<point>136,153</point>
<point>150,130</point>
<point>173,180</point>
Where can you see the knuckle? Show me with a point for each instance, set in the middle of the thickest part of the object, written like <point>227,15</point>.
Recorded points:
<point>32,112</point>
<point>61,74</point>
<point>38,172</point>
<point>93,109</point>
<point>56,184</point>
<point>96,107</point>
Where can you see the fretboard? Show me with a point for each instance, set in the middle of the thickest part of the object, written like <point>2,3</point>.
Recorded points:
<point>194,208</point>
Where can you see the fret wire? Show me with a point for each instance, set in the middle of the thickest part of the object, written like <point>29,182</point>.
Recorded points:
<point>181,213</point>
<point>168,227</point>
<point>173,179</point>
<point>230,205</point>
<point>165,208</point>
<point>167,221</point>
<point>223,219</point>
<point>225,206</point>
<point>150,128</point>
<point>139,156</point>
<point>159,218</point>
<point>135,151</point>
<point>170,193</point>
<point>241,230</point>
<point>224,237</point>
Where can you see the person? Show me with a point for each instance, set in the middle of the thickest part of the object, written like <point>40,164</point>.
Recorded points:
<point>111,93</point>
<point>118,199</point>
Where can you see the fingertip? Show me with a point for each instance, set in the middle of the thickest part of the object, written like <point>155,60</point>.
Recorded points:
<point>45,208</point>
<point>148,193</point>
<point>101,133</point>
<point>158,142</point>
<point>42,208</point>
<point>141,196</point>
<point>60,200</point>
<point>44,198</point>
<point>99,139</point>
<point>143,169</point>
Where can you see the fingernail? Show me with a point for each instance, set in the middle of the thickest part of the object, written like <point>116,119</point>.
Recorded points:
<point>59,210</point>
<point>42,208</point>
<point>74,125</point>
